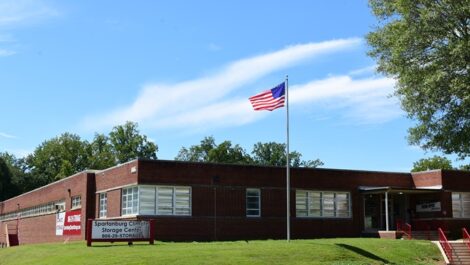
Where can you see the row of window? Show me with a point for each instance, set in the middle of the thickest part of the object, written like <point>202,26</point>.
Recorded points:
<point>37,210</point>
<point>164,200</point>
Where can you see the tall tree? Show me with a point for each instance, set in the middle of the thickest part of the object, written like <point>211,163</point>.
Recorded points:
<point>128,143</point>
<point>435,162</point>
<point>101,152</point>
<point>425,45</point>
<point>20,178</point>
<point>5,181</point>
<point>58,157</point>
<point>274,154</point>
<point>209,151</point>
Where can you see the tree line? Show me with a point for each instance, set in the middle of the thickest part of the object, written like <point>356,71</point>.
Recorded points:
<point>68,154</point>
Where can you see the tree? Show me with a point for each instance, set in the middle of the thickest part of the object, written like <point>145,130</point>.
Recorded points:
<point>435,162</point>
<point>128,144</point>
<point>209,151</point>
<point>425,45</point>
<point>5,181</point>
<point>20,178</point>
<point>274,154</point>
<point>57,158</point>
<point>101,152</point>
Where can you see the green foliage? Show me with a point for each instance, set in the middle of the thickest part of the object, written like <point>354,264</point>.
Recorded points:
<point>209,151</point>
<point>425,45</point>
<point>127,143</point>
<point>351,251</point>
<point>435,162</point>
<point>271,153</point>
<point>101,152</point>
<point>5,181</point>
<point>58,157</point>
<point>274,154</point>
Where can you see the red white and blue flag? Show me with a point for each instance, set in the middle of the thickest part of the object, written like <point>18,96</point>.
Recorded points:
<point>270,99</point>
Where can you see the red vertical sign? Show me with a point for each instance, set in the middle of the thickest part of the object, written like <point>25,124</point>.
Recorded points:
<point>73,224</point>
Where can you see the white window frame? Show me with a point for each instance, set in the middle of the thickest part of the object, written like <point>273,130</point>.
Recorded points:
<point>322,205</point>
<point>76,202</point>
<point>129,210</point>
<point>259,202</point>
<point>103,205</point>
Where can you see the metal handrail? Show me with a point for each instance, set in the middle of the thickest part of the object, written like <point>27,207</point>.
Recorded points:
<point>445,244</point>
<point>405,228</point>
<point>466,237</point>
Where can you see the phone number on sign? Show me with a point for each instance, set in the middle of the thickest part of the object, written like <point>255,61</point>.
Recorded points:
<point>107,236</point>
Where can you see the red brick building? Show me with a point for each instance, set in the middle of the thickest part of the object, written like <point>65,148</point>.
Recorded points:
<point>202,201</point>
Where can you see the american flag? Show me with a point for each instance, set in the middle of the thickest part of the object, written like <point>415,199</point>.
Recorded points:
<point>270,99</point>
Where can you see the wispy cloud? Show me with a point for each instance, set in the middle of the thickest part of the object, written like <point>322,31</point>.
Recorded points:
<point>364,101</point>
<point>18,12</point>
<point>363,71</point>
<point>6,135</point>
<point>4,52</point>
<point>165,103</point>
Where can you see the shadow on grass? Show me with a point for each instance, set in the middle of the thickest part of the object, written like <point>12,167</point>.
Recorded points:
<point>364,253</point>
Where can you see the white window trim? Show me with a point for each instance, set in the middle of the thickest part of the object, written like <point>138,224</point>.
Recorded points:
<point>100,205</point>
<point>74,207</point>
<point>259,202</point>
<point>350,214</point>
<point>138,202</point>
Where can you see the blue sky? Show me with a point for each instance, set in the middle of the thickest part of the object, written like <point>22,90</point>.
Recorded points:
<point>185,69</point>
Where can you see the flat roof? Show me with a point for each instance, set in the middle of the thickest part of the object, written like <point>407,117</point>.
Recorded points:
<point>383,189</point>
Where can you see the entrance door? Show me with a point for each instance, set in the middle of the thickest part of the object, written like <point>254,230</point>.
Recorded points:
<point>371,212</point>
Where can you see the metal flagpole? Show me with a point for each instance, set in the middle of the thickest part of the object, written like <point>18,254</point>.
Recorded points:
<point>287,160</point>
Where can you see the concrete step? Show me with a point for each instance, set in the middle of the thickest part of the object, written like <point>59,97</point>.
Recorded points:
<point>461,253</point>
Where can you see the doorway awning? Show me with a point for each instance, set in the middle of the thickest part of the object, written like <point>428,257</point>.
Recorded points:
<point>391,190</point>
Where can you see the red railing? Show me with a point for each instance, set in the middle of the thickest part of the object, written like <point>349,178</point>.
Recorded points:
<point>466,237</point>
<point>445,244</point>
<point>405,228</point>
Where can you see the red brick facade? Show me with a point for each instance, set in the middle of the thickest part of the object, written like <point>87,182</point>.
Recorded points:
<point>218,200</point>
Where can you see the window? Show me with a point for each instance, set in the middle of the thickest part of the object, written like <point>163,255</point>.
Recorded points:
<point>461,204</point>
<point>253,203</point>
<point>322,204</point>
<point>47,208</point>
<point>130,201</point>
<point>103,205</point>
<point>76,202</point>
<point>156,200</point>
<point>173,201</point>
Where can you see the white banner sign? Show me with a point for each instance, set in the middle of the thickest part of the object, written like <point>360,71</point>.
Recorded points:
<point>59,223</point>
<point>428,207</point>
<point>120,229</point>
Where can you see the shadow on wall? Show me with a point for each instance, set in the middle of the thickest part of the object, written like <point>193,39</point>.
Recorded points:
<point>363,253</point>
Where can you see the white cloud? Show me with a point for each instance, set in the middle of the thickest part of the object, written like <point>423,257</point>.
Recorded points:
<point>18,12</point>
<point>362,71</point>
<point>365,100</point>
<point>6,135</point>
<point>4,53</point>
<point>362,100</point>
<point>165,103</point>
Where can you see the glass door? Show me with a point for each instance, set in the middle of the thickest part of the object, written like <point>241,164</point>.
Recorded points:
<point>371,212</point>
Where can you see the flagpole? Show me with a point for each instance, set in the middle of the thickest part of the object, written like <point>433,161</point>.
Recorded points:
<point>287,160</point>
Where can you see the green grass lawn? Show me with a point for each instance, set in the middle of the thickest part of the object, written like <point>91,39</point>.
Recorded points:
<point>318,251</point>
